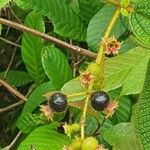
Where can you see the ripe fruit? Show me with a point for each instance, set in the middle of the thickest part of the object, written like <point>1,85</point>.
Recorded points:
<point>58,102</point>
<point>90,143</point>
<point>99,100</point>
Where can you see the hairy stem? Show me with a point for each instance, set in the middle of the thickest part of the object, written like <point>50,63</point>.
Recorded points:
<point>116,3</point>
<point>76,94</point>
<point>100,56</point>
<point>83,118</point>
<point>100,62</point>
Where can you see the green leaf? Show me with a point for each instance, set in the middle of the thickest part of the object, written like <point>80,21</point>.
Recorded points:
<point>139,22</point>
<point>29,122</point>
<point>74,5</point>
<point>119,70</point>
<point>25,4</point>
<point>125,3</point>
<point>56,66</point>
<point>37,97</point>
<point>89,8</point>
<point>16,78</point>
<point>141,115</point>
<point>34,100</point>
<point>122,136</point>
<point>127,45</point>
<point>135,80</point>
<point>92,124</point>
<point>72,87</point>
<point>3,3</point>
<point>65,20</point>
<point>98,25</point>
<point>45,138</point>
<point>123,112</point>
<point>32,46</point>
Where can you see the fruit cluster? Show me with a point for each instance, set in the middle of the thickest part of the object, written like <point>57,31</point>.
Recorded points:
<point>99,101</point>
<point>89,143</point>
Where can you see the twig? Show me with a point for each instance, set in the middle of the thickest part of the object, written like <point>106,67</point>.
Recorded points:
<point>10,42</point>
<point>15,15</point>
<point>7,14</point>
<point>2,110</point>
<point>14,141</point>
<point>11,106</point>
<point>12,90</point>
<point>98,127</point>
<point>61,43</point>
<point>11,60</point>
<point>99,61</point>
<point>78,62</point>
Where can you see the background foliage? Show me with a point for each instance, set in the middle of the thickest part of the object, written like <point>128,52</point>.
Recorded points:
<point>39,67</point>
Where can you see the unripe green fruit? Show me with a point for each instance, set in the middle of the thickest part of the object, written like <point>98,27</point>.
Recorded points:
<point>90,143</point>
<point>75,145</point>
<point>94,69</point>
<point>75,128</point>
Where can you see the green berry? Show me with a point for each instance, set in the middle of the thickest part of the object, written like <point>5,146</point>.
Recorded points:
<point>75,128</point>
<point>58,102</point>
<point>90,143</point>
<point>94,69</point>
<point>75,145</point>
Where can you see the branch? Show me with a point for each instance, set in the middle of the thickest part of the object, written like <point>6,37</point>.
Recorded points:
<point>14,141</point>
<point>46,37</point>
<point>9,42</point>
<point>11,59</point>
<point>108,30</point>
<point>8,108</point>
<point>99,61</point>
<point>12,90</point>
<point>11,106</point>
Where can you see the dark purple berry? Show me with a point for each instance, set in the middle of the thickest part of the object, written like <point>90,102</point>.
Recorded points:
<point>99,100</point>
<point>58,102</point>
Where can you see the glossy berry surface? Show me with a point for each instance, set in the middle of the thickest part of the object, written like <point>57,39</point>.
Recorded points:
<point>58,102</point>
<point>99,100</point>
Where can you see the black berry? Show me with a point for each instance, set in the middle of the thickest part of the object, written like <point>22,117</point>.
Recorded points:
<point>58,102</point>
<point>99,100</point>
